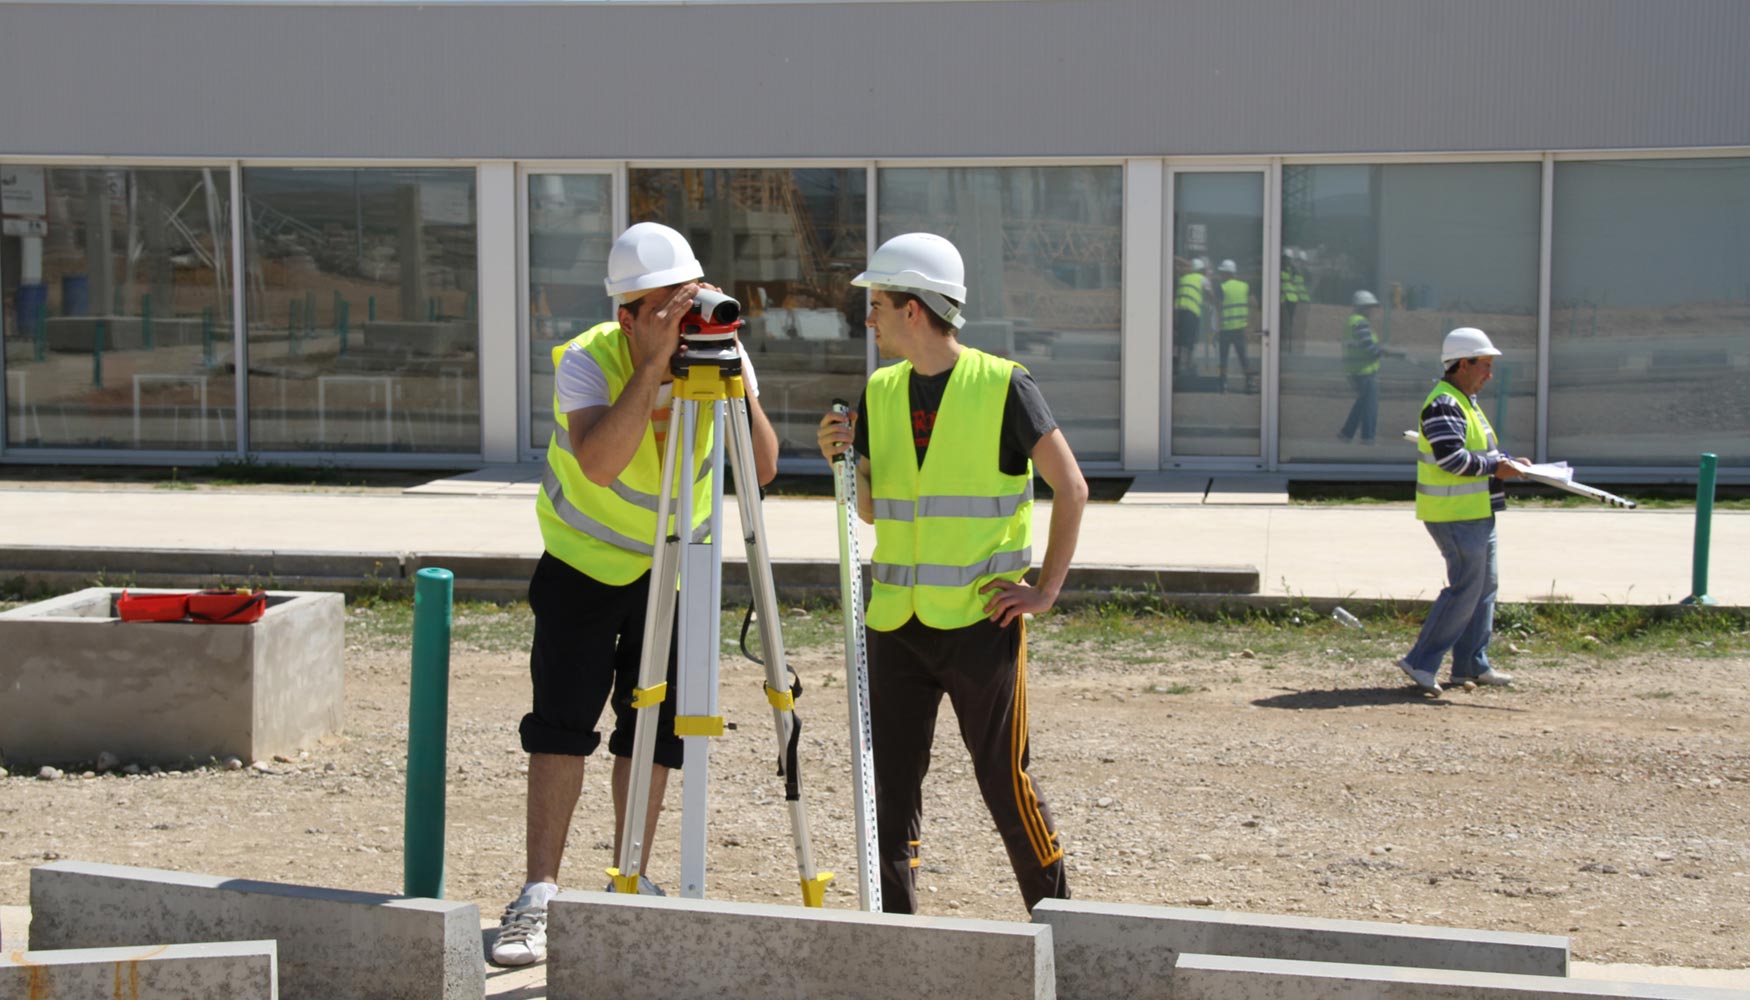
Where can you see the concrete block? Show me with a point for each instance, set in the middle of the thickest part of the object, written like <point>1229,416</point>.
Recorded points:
<point>1120,951</point>
<point>334,944</point>
<point>79,680</point>
<point>613,946</point>
<point>1226,977</point>
<point>239,970</point>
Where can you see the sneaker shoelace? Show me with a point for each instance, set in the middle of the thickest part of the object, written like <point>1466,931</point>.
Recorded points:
<point>517,926</point>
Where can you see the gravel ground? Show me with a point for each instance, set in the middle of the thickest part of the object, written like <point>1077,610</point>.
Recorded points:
<point>1238,767</point>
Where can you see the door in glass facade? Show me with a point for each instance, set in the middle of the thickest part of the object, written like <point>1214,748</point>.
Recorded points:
<point>1217,339</point>
<point>571,228</point>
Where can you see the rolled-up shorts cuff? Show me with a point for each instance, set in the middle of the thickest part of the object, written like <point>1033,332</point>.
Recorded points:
<point>541,737</point>
<point>670,751</point>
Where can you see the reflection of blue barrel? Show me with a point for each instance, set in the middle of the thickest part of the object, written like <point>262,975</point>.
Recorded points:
<point>30,306</point>
<point>75,295</point>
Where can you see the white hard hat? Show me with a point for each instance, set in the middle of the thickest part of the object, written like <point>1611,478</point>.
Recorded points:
<point>924,264</point>
<point>1300,255</point>
<point>1467,342</point>
<point>1365,298</point>
<point>1227,267</point>
<point>1198,263</point>
<point>649,255</point>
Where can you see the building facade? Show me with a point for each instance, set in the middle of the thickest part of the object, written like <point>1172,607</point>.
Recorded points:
<point>356,232</point>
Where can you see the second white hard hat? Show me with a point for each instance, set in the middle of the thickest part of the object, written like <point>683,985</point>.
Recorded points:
<point>1227,267</point>
<point>1365,298</point>
<point>924,264</point>
<point>649,255</point>
<point>1467,342</point>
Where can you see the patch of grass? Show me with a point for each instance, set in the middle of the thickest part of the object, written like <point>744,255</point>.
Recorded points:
<point>1174,689</point>
<point>1661,695</point>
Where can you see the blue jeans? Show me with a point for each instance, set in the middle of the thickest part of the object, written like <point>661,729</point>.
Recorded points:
<point>1463,616</point>
<point>1364,414</point>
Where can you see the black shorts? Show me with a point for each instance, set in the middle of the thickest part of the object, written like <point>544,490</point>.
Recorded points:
<point>589,637</point>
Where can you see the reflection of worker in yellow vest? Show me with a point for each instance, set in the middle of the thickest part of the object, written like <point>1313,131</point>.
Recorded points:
<point>597,512</point>
<point>947,441</point>
<point>1459,465</point>
<point>1293,292</point>
<point>1190,296</point>
<point>1235,297</point>
<point>1361,353</point>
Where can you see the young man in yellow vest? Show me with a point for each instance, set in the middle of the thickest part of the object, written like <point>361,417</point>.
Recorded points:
<point>1236,322</point>
<point>947,443</point>
<point>1458,473</point>
<point>597,510</point>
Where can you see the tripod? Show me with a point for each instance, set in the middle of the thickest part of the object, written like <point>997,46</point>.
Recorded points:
<point>707,371</point>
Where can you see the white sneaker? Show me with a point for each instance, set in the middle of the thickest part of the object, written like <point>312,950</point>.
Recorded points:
<point>522,936</point>
<point>1493,678</point>
<point>1424,679</point>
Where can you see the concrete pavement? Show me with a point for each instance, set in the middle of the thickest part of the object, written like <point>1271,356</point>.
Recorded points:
<point>1360,552</point>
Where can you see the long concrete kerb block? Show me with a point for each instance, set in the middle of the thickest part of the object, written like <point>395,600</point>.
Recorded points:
<point>79,681</point>
<point>1227,977</point>
<point>1122,951</point>
<point>235,970</point>
<point>334,944</point>
<point>613,946</point>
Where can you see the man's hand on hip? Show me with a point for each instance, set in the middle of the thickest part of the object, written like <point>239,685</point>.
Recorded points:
<point>1014,599</point>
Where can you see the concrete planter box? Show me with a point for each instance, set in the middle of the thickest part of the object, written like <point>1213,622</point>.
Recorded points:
<point>76,681</point>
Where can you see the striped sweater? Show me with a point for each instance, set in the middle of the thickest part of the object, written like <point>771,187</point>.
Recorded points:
<point>1443,426</point>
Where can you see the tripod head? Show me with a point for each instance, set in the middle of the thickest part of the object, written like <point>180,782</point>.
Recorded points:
<point>708,335</point>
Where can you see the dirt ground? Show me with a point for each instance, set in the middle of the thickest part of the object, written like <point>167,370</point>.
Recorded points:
<point>1606,798</point>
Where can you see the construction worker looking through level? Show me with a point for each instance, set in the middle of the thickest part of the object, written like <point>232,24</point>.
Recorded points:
<point>599,494</point>
<point>1236,322</point>
<point>1459,469</point>
<point>946,442</point>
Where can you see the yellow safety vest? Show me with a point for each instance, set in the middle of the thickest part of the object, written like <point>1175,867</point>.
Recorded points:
<point>1190,294</point>
<point>953,526</point>
<point>1440,495</point>
<point>1235,311</point>
<point>609,532</point>
<point>1290,288</point>
<point>1357,359</point>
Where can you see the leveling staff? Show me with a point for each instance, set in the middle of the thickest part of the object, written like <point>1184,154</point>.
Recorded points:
<point>597,509</point>
<point>947,441</point>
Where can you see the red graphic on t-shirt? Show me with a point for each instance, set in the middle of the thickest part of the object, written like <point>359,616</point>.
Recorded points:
<point>922,423</point>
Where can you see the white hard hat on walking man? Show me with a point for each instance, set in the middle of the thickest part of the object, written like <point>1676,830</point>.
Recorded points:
<point>922,264</point>
<point>1467,342</point>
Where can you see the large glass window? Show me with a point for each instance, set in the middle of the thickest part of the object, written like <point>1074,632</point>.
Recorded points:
<point>1650,312</point>
<point>571,228</point>
<point>786,243</point>
<point>1437,246</point>
<point>1043,249</point>
<point>1218,285</point>
<point>361,294</point>
<point>115,299</point>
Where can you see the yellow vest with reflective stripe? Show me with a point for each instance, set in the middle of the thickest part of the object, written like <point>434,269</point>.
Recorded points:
<point>609,532</point>
<point>1190,294</point>
<point>1357,358</point>
<point>1291,291</point>
<point>1440,495</point>
<point>953,526</point>
<point>1234,309</point>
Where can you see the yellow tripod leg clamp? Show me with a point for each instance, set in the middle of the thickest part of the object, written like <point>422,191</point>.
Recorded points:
<point>814,890</point>
<point>624,883</point>
<point>646,697</point>
<point>698,725</point>
<point>783,701</point>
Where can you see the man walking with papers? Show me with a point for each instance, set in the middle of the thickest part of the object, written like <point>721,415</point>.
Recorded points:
<point>1459,470</point>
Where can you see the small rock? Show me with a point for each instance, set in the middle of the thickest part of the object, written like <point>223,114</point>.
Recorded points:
<point>799,612</point>
<point>261,766</point>
<point>233,764</point>
<point>48,774</point>
<point>1249,824</point>
<point>1104,802</point>
<point>1664,856</point>
<point>1246,654</point>
<point>282,758</point>
<point>131,769</point>
<point>3,773</point>
<point>107,761</point>
<point>1201,857</point>
<point>1200,901</point>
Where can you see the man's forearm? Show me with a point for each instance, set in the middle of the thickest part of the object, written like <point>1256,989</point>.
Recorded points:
<point>605,449</point>
<point>1060,544</point>
<point>765,440</point>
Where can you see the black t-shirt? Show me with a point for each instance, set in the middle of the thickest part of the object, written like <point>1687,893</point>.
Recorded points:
<point>1026,418</point>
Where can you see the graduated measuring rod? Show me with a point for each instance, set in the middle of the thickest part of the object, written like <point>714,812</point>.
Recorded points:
<point>1578,489</point>
<point>857,674</point>
<point>707,372</point>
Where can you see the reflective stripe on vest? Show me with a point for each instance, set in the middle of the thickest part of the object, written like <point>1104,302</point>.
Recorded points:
<point>609,532</point>
<point>1357,358</point>
<point>1190,293</point>
<point>1290,290</point>
<point>1440,495</point>
<point>944,530</point>
<point>1234,309</point>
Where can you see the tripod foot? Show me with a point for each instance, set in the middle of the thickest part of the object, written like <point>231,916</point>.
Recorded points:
<point>814,890</point>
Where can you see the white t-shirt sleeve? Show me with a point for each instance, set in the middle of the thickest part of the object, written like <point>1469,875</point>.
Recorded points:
<point>580,382</point>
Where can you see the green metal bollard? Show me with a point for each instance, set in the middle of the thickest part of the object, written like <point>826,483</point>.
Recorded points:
<point>146,321</point>
<point>1704,514</point>
<point>427,722</point>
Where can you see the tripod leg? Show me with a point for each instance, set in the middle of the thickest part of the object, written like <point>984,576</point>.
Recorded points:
<point>652,687</point>
<point>778,684</point>
<point>696,713</point>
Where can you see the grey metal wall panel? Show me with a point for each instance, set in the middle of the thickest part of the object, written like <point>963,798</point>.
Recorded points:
<point>854,80</point>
